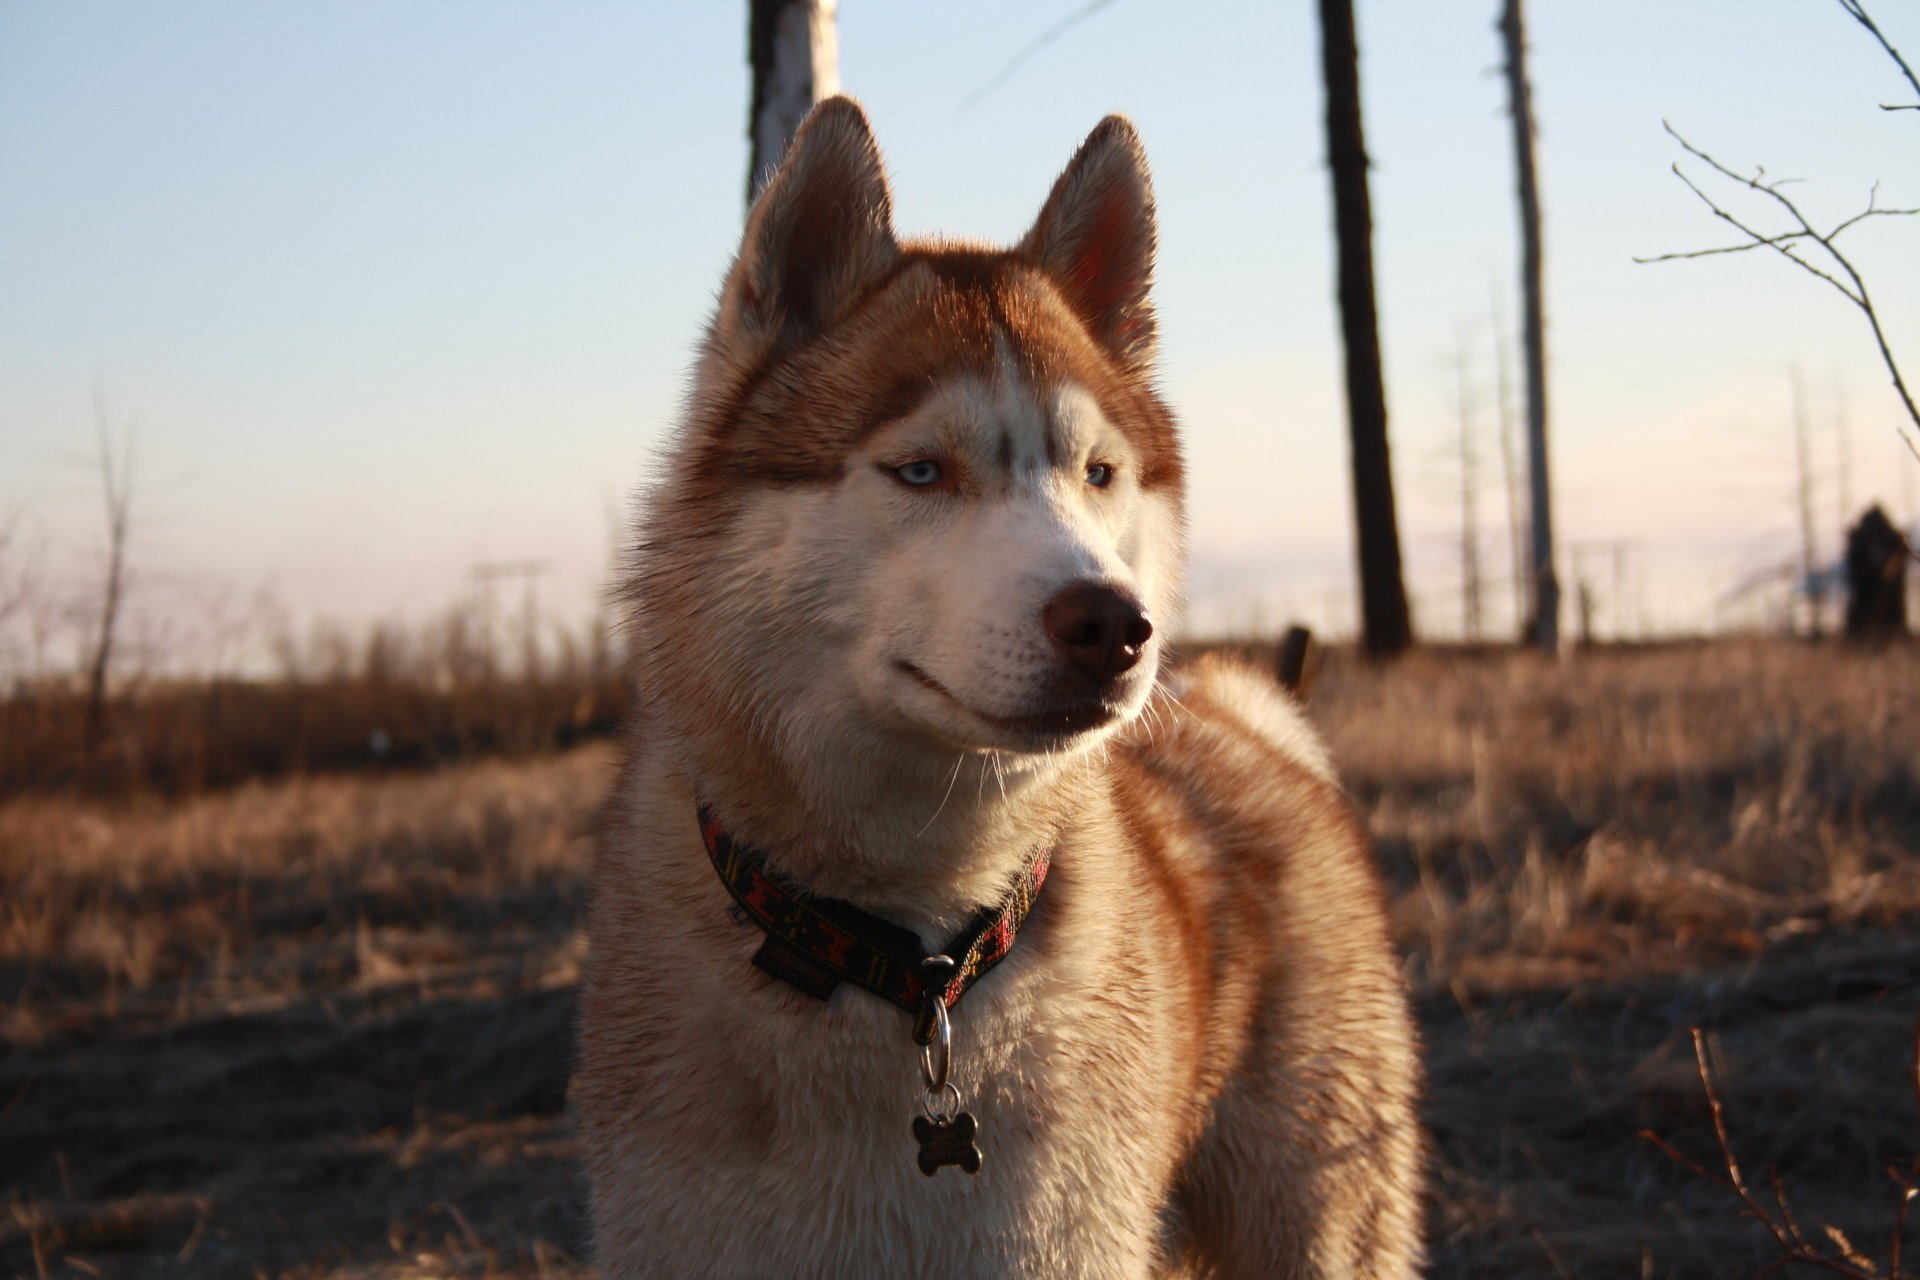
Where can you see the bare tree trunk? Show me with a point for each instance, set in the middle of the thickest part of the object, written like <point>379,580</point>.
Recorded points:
<point>1546,587</point>
<point>794,49</point>
<point>116,489</point>
<point>1385,626</point>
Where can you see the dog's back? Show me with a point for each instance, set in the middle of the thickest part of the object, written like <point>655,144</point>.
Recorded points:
<point>1265,893</point>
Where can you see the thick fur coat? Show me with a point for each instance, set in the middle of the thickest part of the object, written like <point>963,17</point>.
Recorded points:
<point>893,604</point>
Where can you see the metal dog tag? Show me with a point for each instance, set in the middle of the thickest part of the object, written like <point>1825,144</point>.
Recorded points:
<point>947,1141</point>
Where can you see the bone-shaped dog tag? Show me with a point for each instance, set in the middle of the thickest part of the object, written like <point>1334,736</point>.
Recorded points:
<point>945,1142</point>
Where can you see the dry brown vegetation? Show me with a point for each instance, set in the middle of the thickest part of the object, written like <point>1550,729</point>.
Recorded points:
<point>320,1027</point>
<point>185,737</point>
<point>441,693</point>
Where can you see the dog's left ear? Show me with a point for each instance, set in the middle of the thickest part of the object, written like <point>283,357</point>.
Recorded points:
<point>1095,239</point>
<point>819,234</point>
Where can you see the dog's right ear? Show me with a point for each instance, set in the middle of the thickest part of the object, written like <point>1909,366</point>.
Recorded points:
<point>819,234</point>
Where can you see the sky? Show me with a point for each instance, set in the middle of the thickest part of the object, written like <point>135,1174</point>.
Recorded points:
<point>380,291</point>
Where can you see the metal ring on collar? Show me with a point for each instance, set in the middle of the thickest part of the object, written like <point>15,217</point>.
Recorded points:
<point>936,1056</point>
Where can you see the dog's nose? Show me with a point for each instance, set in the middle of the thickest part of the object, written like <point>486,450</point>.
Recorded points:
<point>1096,628</point>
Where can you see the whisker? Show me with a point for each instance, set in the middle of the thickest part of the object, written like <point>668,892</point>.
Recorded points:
<point>952,778</point>
<point>1149,718</point>
<point>1161,688</point>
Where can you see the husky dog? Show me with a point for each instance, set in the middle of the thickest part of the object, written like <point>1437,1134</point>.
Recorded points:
<point>898,604</point>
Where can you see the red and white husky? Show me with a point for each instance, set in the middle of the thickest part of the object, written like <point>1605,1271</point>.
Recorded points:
<point>898,607</point>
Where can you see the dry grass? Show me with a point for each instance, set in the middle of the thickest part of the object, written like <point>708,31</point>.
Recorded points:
<point>1591,859</point>
<point>315,1028</point>
<point>321,1027</point>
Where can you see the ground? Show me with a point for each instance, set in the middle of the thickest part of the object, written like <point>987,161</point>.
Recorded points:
<point>320,1027</point>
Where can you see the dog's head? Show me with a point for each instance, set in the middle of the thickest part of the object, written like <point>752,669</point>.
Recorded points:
<point>927,499</point>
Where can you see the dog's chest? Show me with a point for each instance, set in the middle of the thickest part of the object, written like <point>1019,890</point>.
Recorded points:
<point>774,1113</point>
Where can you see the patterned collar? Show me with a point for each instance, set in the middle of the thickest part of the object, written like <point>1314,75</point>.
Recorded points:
<point>814,944</point>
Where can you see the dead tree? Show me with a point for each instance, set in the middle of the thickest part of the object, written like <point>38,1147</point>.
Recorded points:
<point>1797,239</point>
<point>1386,627</point>
<point>115,468</point>
<point>1876,578</point>
<point>1545,621</point>
<point>793,47</point>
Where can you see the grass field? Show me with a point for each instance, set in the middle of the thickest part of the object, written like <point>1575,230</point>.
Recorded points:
<point>320,1027</point>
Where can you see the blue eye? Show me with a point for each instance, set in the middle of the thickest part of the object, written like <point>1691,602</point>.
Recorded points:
<point>919,473</point>
<point>1099,475</point>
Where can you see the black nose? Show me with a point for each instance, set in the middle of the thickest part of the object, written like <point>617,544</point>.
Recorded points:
<point>1099,630</point>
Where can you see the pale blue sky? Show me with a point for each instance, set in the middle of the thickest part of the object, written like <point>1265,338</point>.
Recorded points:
<point>389,288</point>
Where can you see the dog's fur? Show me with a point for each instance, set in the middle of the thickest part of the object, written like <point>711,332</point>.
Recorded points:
<point>1197,1059</point>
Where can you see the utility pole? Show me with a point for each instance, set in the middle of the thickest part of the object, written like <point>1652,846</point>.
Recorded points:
<point>1509,472</point>
<point>1843,443</point>
<point>1546,588</point>
<point>793,47</point>
<point>528,573</point>
<point>1619,592</point>
<point>1472,614</point>
<point>1581,557</point>
<point>1803,468</point>
<point>1386,627</point>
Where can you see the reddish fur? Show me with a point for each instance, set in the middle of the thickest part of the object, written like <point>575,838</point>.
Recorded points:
<point>1198,1059</point>
<point>794,418</point>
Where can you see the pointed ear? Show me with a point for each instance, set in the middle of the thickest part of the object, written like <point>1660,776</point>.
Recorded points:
<point>821,231</point>
<point>1095,239</point>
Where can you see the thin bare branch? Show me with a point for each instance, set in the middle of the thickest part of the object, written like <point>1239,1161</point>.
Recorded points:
<point>1796,1250</point>
<point>1776,243</point>
<point>1787,1219</point>
<point>1839,271</point>
<point>1857,10</point>
<point>1734,1177</point>
<point>1765,242</point>
<point>1905,1183</point>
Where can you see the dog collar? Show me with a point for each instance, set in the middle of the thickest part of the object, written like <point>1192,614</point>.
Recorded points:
<point>814,944</point>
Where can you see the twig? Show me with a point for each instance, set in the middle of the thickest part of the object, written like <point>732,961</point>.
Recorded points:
<point>1795,1249</point>
<point>1853,288</point>
<point>1900,1215</point>
<point>1857,10</point>
<point>1785,244</point>
<point>1734,1179</point>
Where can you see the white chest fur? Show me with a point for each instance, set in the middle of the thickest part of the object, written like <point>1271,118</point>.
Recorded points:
<point>770,1133</point>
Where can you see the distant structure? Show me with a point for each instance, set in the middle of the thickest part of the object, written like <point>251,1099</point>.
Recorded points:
<point>1297,661</point>
<point>1877,558</point>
